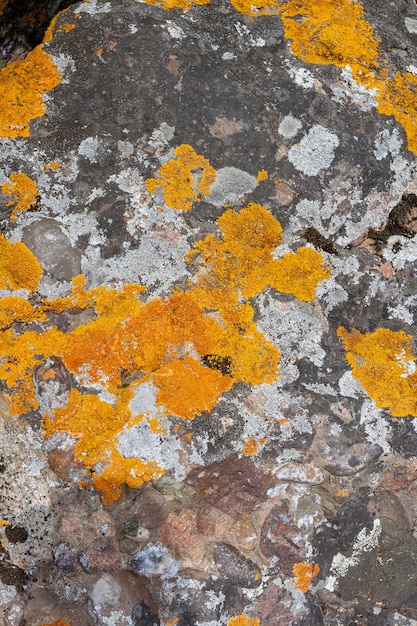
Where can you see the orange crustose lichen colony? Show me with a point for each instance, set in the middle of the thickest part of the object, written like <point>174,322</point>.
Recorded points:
<point>23,192</point>
<point>385,366</point>
<point>22,87</point>
<point>177,345</point>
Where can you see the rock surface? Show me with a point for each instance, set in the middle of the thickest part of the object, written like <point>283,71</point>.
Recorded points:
<point>207,319</point>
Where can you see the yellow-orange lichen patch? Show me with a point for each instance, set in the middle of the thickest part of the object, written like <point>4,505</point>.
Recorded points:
<point>13,309</point>
<point>262,175</point>
<point>187,388</point>
<point>120,470</point>
<point>304,574</point>
<point>3,5</point>
<point>299,273</point>
<point>22,87</point>
<point>252,446</point>
<point>398,97</point>
<point>330,32</point>
<point>23,192</point>
<point>185,5</point>
<point>191,347</point>
<point>257,7</point>
<point>385,366</point>
<point>238,261</point>
<point>19,268</point>
<point>49,33</point>
<point>337,33</point>
<point>241,262</point>
<point>244,620</point>
<point>52,165</point>
<point>184,178</point>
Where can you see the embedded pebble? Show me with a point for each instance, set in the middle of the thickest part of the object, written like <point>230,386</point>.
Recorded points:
<point>235,567</point>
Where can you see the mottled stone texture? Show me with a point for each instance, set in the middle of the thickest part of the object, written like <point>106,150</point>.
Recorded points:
<point>233,443</point>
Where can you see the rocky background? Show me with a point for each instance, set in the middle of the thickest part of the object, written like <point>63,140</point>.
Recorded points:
<point>208,280</point>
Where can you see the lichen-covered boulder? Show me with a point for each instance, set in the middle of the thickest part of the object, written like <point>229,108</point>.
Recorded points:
<point>207,317</point>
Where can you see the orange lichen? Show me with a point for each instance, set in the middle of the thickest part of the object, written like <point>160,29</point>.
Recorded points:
<point>3,5</point>
<point>14,309</point>
<point>385,366</point>
<point>190,347</point>
<point>397,97</point>
<point>186,388</point>
<point>262,175</point>
<point>304,574</point>
<point>184,179</point>
<point>51,28</point>
<point>53,165</point>
<point>252,446</point>
<point>185,5</point>
<point>241,263</point>
<point>243,620</point>
<point>299,273</point>
<point>337,33</point>
<point>19,268</point>
<point>120,470</point>
<point>257,7</point>
<point>57,622</point>
<point>238,261</point>
<point>22,87</point>
<point>4,522</point>
<point>330,32</point>
<point>23,192</point>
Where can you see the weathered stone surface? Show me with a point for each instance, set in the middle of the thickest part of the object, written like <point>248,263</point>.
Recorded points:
<point>216,422</point>
<point>102,555</point>
<point>234,567</point>
<point>152,508</point>
<point>235,485</point>
<point>65,556</point>
<point>282,539</point>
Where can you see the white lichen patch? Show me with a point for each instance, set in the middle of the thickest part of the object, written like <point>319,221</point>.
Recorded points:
<point>404,311</point>
<point>401,251</point>
<point>365,542</point>
<point>230,186</point>
<point>144,400</point>
<point>363,97</point>
<point>88,148</point>
<point>349,386</point>
<point>293,327</point>
<point>156,263</point>
<point>93,7</point>
<point>289,126</point>
<point>247,37</point>
<point>411,25</point>
<point>65,65</point>
<point>315,151</point>
<point>387,143</point>
<point>175,31</point>
<point>300,75</point>
<point>142,442</point>
<point>377,428</point>
<point>129,180</point>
